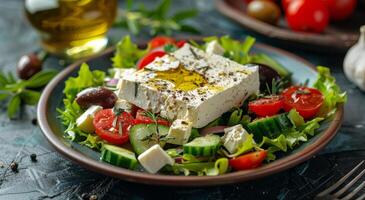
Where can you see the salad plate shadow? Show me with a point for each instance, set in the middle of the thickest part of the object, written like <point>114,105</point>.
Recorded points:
<point>53,129</point>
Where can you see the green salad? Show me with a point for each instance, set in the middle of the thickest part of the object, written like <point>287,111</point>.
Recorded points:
<point>181,107</point>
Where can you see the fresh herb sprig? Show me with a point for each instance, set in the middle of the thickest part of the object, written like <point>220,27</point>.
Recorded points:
<point>277,86</point>
<point>156,20</point>
<point>17,92</point>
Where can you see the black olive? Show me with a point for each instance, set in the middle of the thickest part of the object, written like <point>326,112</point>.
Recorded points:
<point>14,166</point>
<point>28,65</point>
<point>33,157</point>
<point>267,74</point>
<point>96,96</point>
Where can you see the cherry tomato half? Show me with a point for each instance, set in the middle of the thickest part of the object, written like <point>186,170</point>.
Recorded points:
<point>248,161</point>
<point>141,118</point>
<point>307,101</point>
<point>180,43</point>
<point>107,126</point>
<point>150,57</point>
<point>266,106</point>
<point>307,15</point>
<point>340,9</point>
<point>160,41</point>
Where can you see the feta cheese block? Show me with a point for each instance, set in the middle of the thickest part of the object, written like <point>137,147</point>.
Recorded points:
<point>234,136</point>
<point>190,84</point>
<point>179,132</point>
<point>154,158</point>
<point>85,121</point>
<point>214,47</point>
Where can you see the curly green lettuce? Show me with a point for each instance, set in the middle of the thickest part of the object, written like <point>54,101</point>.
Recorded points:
<point>127,53</point>
<point>331,91</point>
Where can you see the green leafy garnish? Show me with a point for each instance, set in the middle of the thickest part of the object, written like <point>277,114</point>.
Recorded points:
<point>72,110</point>
<point>290,138</point>
<point>85,79</point>
<point>156,21</point>
<point>331,91</point>
<point>264,59</point>
<point>19,92</point>
<point>295,118</point>
<point>169,48</point>
<point>219,167</point>
<point>127,53</point>
<point>238,117</point>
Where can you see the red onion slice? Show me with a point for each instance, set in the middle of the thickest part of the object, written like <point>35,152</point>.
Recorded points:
<point>112,82</point>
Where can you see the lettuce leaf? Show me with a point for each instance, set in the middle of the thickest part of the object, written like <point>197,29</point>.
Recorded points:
<point>234,49</point>
<point>85,79</point>
<point>246,146</point>
<point>219,167</point>
<point>331,91</point>
<point>127,53</point>
<point>290,138</point>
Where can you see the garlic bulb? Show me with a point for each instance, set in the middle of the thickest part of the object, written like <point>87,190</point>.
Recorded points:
<point>354,63</point>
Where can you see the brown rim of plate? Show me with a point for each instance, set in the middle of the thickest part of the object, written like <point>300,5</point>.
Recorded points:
<point>171,180</point>
<point>335,40</point>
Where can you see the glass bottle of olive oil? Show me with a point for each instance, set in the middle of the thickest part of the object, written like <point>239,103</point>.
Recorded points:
<point>72,28</point>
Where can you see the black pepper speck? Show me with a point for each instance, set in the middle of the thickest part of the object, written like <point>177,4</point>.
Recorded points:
<point>33,157</point>
<point>35,122</point>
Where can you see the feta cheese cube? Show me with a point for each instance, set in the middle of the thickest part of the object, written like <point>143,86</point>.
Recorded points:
<point>154,158</point>
<point>200,89</point>
<point>85,121</point>
<point>179,132</point>
<point>234,136</point>
<point>214,47</point>
<point>122,104</point>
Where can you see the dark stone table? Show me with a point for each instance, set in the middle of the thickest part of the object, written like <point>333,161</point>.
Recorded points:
<point>54,177</point>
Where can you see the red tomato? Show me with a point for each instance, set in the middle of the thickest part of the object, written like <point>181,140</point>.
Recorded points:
<point>180,43</point>
<point>266,106</point>
<point>108,129</point>
<point>248,161</point>
<point>150,57</point>
<point>340,9</point>
<point>307,15</point>
<point>285,4</point>
<point>160,41</point>
<point>307,101</point>
<point>141,118</point>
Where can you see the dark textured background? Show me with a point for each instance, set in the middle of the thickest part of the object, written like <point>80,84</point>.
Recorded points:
<point>53,177</point>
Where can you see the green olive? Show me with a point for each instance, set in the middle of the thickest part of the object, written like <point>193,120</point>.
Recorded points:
<point>264,10</point>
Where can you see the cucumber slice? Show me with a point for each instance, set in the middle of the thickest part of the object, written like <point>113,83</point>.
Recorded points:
<point>203,146</point>
<point>141,138</point>
<point>270,126</point>
<point>118,156</point>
